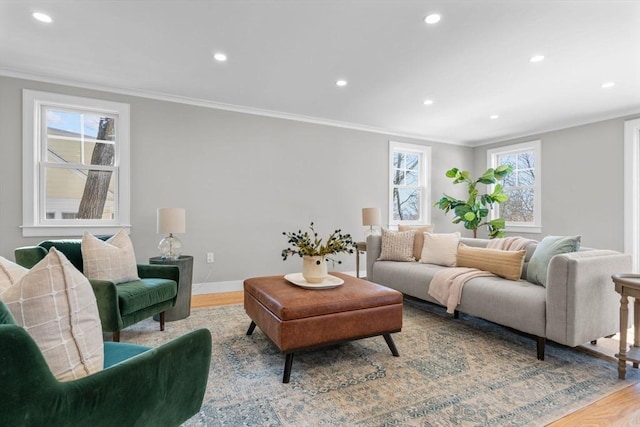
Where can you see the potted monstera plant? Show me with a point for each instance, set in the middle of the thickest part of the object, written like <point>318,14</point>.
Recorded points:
<point>473,211</point>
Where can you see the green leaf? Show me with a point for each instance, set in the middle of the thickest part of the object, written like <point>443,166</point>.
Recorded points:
<point>451,173</point>
<point>469,216</point>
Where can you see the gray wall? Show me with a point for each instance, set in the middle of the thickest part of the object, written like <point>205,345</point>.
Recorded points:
<point>243,179</point>
<point>582,181</point>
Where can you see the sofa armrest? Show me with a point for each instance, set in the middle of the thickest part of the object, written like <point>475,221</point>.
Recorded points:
<point>159,271</point>
<point>28,256</point>
<point>374,248</point>
<point>582,304</point>
<point>162,386</point>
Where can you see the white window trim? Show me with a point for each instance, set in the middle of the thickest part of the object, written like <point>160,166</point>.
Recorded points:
<point>32,101</point>
<point>425,152</point>
<point>632,191</point>
<point>535,146</point>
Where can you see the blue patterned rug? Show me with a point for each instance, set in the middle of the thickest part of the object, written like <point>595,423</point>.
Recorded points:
<point>464,372</point>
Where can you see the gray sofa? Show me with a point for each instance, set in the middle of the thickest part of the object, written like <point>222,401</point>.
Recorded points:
<point>579,303</point>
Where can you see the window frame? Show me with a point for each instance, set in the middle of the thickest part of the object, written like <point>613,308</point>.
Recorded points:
<point>492,156</point>
<point>424,180</point>
<point>34,217</point>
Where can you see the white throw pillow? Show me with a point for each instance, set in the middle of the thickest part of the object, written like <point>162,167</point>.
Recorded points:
<point>10,273</point>
<point>55,304</point>
<point>440,249</point>
<point>113,260</point>
<point>397,245</point>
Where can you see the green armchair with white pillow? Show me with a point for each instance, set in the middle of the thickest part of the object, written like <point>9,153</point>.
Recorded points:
<point>138,386</point>
<point>126,292</point>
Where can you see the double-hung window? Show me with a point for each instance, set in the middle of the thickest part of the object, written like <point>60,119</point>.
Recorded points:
<point>409,193</point>
<point>75,165</point>
<point>523,209</point>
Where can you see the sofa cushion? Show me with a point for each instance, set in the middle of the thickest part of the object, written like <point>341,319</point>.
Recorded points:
<point>418,239</point>
<point>507,264</point>
<point>55,304</point>
<point>10,273</point>
<point>397,245</point>
<point>113,260</point>
<point>139,294</point>
<point>549,247</point>
<point>440,249</point>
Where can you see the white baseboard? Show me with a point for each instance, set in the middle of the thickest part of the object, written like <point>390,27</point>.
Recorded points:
<point>234,285</point>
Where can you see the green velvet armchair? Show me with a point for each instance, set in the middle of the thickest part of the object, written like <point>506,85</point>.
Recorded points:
<point>123,304</point>
<point>139,386</point>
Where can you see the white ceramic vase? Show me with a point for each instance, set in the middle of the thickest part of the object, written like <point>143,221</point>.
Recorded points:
<point>314,269</point>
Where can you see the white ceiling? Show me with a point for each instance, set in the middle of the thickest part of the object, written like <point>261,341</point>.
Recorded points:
<point>284,57</point>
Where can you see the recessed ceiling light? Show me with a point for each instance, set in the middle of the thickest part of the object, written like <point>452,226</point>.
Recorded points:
<point>42,17</point>
<point>220,57</point>
<point>428,102</point>
<point>536,58</point>
<point>608,85</point>
<point>432,18</point>
<point>494,116</point>
<point>341,83</point>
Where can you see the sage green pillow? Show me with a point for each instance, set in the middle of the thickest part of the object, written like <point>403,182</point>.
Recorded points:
<point>549,247</point>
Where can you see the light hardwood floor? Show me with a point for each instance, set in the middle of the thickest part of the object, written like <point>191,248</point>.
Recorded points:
<point>620,409</point>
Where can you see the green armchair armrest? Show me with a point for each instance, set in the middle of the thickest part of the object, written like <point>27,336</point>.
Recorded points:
<point>163,386</point>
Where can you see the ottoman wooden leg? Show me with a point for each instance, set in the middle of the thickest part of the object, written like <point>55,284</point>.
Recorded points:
<point>391,344</point>
<point>252,326</point>
<point>287,368</point>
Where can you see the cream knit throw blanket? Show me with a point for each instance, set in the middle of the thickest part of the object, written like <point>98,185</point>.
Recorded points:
<point>446,285</point>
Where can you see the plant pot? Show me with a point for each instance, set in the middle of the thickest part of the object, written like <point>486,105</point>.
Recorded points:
<point>314,269</point>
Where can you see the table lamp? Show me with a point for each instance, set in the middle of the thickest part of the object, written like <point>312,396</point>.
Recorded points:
<point>372,218</point>
<point>171,220</point>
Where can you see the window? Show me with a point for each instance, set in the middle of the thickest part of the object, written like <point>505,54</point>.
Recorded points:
<point>409,193</point>
<point>522,211</point>
<point>75,165</point>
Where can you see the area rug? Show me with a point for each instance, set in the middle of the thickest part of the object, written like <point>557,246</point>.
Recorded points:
<point>451,372</point>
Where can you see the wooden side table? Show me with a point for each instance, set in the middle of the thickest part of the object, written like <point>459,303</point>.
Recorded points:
<point>361,247</point>
<point>628,285</point>
<point>182,309</point>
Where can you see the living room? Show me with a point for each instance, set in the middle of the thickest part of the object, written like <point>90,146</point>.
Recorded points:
<point>246,174</point>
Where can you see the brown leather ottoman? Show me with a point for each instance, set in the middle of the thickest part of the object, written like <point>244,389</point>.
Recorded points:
<point>297,319</point>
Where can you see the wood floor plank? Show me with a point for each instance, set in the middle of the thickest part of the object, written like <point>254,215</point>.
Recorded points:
<point>620,409</point>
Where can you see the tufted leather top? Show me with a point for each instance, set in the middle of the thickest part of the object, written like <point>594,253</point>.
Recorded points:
<point>288,301</point>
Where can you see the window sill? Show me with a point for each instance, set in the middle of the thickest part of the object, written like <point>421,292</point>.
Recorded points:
<point>71,230</point>
<point>533,229</point>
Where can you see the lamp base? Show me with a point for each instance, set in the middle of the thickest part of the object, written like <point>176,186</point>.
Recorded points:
<point>170,247</point>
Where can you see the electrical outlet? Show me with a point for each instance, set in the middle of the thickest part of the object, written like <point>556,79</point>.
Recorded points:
<point>210,257</point>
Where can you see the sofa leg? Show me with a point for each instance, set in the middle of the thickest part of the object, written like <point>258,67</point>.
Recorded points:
<point>456,314</point>
<point>162,321</point>
<point>540,342</point>
<point>116,336</point>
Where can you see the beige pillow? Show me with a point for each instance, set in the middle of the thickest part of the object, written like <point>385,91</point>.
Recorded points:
<point>507,264</point>
<point>10,273</point>
<point>55,304</point>
<point>418,240</point>
<point>113,260</point>
<point>440,249</point>
<point>397,245</point>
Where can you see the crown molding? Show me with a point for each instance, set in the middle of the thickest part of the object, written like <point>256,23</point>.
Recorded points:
<point>218,105</point>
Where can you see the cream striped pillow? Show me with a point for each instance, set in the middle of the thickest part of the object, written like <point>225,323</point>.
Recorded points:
<point>10,273</point>
<point>507,264</point>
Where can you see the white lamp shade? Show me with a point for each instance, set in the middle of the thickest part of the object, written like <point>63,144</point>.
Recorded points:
<point>171,220</point>
<point>371,216</point>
